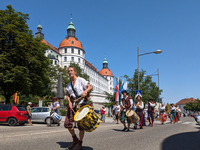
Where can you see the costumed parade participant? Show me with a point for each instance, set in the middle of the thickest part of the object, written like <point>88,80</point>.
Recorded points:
<point>151,112</point>
<point>116,110</point>
<point>178,113</point>
<point>54,108</point>
<point>77,88</point>
<point>162,114</point>
<point>139,110</point>
<point>126,104</point>
<point>173,113</point>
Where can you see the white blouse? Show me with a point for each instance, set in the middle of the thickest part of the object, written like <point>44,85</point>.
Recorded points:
<point>80,86</point>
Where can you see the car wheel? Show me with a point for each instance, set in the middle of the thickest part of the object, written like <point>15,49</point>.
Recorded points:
<point>47,120</point>
<point>12,121</point>
<point>21,124</point>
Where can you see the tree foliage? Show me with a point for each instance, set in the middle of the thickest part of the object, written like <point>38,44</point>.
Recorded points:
<point>23,65</point>
<point>148,87</point>
<point>167,108</point>
<point>193,106</point>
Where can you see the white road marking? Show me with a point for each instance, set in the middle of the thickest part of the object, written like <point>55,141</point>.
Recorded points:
<point>186,123</point>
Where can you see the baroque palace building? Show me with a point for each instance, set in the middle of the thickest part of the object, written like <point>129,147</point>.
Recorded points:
<point>71,50</point>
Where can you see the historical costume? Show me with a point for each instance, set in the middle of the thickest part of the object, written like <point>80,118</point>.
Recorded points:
<point>173,113</point>
<point>116,111</point>
<point>139,110</point>
<point>126,104</point>
<point>162,114</point>
<point>54,108</point>
<point>151,112</point>
<point>178,111</point>
<point>78,87</point>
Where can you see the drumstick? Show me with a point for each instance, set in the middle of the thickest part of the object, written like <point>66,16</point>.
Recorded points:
<point>73,110</point>
<point>78,99</point>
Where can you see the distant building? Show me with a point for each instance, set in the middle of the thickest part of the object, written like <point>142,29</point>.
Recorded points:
<point>71,50</point>
<point>183,102</point>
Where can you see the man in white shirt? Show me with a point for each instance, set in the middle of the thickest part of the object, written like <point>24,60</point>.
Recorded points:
<point>151,112</point>
<point>78,87</point>
<point>54,108</point>
<point>126,104</point>
<point>116,109</point>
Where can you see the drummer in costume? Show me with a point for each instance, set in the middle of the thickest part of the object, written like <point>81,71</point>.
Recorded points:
<point>139,110</point>
<point>78,87</point>
<point>54,108</point>
<point>151,112</point>
<point>126,104</point>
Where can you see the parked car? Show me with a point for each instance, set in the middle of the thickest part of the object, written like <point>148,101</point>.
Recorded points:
<point>13,114</point>
<point>42,114</point>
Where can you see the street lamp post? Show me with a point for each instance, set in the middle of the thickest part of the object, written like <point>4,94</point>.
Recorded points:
<point>155,52</point>
<point>158,80</point>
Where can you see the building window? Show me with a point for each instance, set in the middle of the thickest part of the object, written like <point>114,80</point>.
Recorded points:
<point>57,56</point>
<point>72,42</point>
<point>65,50</point>
<point>72,59</point>
<point>65,59</point>
<point>55,62</point>
<point>79,51</point>
<point>79,60</point>
<point>72,50</point>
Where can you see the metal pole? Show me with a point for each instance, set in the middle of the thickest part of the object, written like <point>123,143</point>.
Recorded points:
<point>138,71</point>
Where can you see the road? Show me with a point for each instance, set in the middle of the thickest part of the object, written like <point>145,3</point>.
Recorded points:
<point>108,136</point>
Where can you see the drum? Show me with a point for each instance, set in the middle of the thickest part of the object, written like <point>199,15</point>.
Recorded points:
<point>87,119</point>
<point>131,114</point>
<point>56,117</point>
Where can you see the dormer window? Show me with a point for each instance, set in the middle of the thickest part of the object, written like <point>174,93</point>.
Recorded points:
<point>72,42</point>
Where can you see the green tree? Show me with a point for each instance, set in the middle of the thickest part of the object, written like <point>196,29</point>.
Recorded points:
<point>23,65</point>
<point>148,87</point>
<point>193,106</point>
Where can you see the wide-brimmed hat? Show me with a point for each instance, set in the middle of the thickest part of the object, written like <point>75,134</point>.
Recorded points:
<point>55,98</point>
<point>29,103</point>
<point>124,91</point>
<point>137,96</point>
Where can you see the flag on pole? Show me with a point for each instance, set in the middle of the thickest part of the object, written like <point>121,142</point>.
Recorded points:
<point>125,86</point>
<point>117,93</point>
<point>121,89</point>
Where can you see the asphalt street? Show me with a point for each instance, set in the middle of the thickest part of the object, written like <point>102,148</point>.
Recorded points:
<point>108,136</point>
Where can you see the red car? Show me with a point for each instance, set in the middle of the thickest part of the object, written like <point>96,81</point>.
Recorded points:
<point>12,114</point>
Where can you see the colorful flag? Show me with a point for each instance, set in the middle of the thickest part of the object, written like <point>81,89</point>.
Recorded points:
<point>16,98</point>
<point>121,89</point>
<point>117,93</point>
<point>125,86</point>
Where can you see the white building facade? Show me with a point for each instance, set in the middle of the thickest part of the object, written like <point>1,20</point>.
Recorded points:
<point>71,50</point>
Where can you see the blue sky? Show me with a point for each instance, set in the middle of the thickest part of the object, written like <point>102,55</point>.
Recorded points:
<point>116,28</point>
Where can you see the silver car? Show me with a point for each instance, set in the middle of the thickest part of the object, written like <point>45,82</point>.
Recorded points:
<point>41,114</point>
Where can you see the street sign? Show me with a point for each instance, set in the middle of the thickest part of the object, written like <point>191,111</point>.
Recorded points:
<point>138,92</point>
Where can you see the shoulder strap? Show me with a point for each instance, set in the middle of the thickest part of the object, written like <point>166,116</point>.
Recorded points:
<point>74,91</point>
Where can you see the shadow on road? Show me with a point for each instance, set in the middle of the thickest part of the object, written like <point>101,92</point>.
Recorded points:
<point>66,144</point>
<point>120,130</point>
<point>182,141</point>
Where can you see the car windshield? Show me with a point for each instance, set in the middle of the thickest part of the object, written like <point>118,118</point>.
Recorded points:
<point>20,108</point>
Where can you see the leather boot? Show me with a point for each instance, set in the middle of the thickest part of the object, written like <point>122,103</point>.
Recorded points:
<point>75,141</point>
<point>78,146</point>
